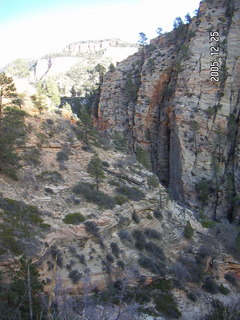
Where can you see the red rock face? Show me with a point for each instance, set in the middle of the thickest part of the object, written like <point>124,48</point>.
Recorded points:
<point>163,98</point>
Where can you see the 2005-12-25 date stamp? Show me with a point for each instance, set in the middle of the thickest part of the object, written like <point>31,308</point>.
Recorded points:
<point>214,52</point>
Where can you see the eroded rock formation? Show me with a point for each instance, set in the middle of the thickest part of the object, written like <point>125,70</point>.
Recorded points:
<point>163,99</point>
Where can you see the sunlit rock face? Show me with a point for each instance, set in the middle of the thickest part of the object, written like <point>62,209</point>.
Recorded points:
<point>179,99</point>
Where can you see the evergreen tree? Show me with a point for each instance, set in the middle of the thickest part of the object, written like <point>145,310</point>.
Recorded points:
<point>142,39</point>
<point>7,91</point>
<point>19,68</point>
<point>95,169</point>
<point>12,135</point>
<point>22,298</point>
<point>39,101</point>
<point>159,31</point>
<point>52,91</point>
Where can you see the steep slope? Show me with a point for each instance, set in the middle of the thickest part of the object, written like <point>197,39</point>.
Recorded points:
<point>131,229</point>
<point>163,99</point>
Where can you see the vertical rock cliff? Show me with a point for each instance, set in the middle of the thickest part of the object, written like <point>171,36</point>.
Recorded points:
<point>164,99</point>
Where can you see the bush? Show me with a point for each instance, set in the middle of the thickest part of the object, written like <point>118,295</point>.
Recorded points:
<point>32,156</point>
<point>62,156</point>
<point>158,214</point>
<point>153,181</point>
<point>192,296</point>
<point>131,193</point>
<point>230,277</point>
<point>223,290</point>
<point>220,311</point>
<point>207,224</point>
<point>110,258</point>
<point>75,276</point>
<point>92,228</point>
<point>74,218</point>
<point>166,304</point>
<point>143,157</point>
<point>139,235</point>
<point>120,200</point>
<point>210,285</point>
<point>81,258</point>
<point>152,233</point>
<point>57,256</point>
<point>124,235</point>
<point>121,264</point>
<point>155,250</point>
<point>119,141</point>
<point>181,274</point>
<point>204,189</point>
<point>105,164</point>
<point>194,269</point>
<point>115,249</point>
<point>188,231</point>
<point>135,217</point>
<point>50,176</point>
<point>19,224</point>
<point>152,265</point>
<point>91,195</point>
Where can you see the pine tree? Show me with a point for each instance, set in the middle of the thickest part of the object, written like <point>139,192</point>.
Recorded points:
<point>95,169</point>
<point>23,294</point>
<point>12,135</point>
<point>142,39</point>
<point>7,91</point>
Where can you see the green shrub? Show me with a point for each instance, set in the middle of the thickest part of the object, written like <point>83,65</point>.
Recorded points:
<point>192,296</point>
<point>32,156</point>
<point>152,233</point>
<point>92,228</point>
<point>50,176</point>
<point>131,193</point>
<point>74,218</point>
<point>204,189</point>
<point>121,264</point>
<point>230,277</point>
<point>92,195</point>
<point>152,265</point>
<point>120,200</point>
<point>207,223</point>
<point>153,181</point>
<point>210,285</point>
<point>119,141</point>
<point>220,311</point>
<point>12,135</point>
<point>139,235</point>
<point>158,214</point>
<point>81,258</point>
<point>166,304</point>
<point>115,249</point>
<point>62,156</point>
<point>135,217</point>
<point>75,276</point>
<point>155,250</point>
<point>125,235</point>
<point>223,290</point>
<point>19,223</point>
<point>188,231</point>
<point>109,258</point>
<point>143,157</point>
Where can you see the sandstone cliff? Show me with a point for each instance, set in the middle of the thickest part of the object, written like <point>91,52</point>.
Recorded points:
<point>162,99</point>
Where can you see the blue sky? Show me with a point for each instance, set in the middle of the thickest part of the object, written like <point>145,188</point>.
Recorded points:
<point>32,28</point>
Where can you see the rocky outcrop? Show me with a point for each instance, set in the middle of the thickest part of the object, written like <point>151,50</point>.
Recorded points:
<point>163,99</point>
<point>91,46</point>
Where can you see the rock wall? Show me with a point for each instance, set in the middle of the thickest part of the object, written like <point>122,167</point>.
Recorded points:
<point>163,99</point>
<point>92,46</point>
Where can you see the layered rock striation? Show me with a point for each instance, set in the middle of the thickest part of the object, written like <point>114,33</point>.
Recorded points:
<point>164,99</point>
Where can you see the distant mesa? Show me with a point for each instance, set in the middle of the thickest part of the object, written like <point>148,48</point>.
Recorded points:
<point>91,46</point>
